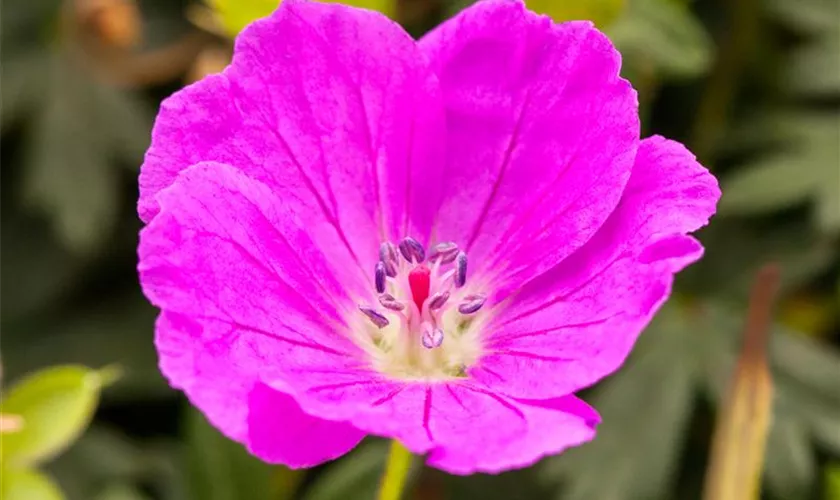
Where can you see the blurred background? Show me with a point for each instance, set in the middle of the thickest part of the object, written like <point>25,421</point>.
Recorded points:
<point>751,86</point>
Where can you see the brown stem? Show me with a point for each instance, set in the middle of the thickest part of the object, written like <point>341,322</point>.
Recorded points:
<point>759,313</point>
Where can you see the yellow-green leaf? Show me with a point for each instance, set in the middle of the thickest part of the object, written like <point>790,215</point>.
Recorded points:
<point>234,15</point>
<point>832,481</point>
<point>55,404</point>
<point>23,484</point>
<point>601,12</point>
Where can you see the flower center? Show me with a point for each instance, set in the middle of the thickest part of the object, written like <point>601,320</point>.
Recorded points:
<point>424,326</point>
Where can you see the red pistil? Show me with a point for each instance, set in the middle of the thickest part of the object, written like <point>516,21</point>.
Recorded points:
<point>418,281</point>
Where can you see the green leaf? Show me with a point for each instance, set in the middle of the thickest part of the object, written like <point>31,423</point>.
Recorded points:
<point>815,68</point>
<point>789,464</point>
<point>24,81</point>
<point>353,476</point>
<point>832,481</point>
<point>807,401</point>
<point>804,171</point>
<point>106,456</point>
<point>100,456</point>
<point>24,484</point>
<point>115,329</point>
<point>79,135</point>
<point>806,15</point>
<point>806,371</point>
<point>769,185</point>
<point>37,270</point>
<point>522,484</point>
<point>234,15</point>
<point>646,409</point>
<point>602,12</point>
<point>221,469</point>
<point>121,492</point>
<point>56,405</point>
<point>22,24</point>
<point>664,34</point>
<point>737,247</point>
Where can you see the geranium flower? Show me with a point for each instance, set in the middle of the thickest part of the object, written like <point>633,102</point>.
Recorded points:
<point>350,232</point>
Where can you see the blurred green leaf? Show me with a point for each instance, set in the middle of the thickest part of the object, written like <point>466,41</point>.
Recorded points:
<point>806,371</point>
<point>807,15</point>
<point>100,456</point>
<point>832,481</point>
<point>815,67</point>
<point>736,248</point>
<point>771,184</point>
<point>24,484</point>
<point>837,290</point>
<point>646,409</point>
<point>663,34</point>
<point>601,12</point>
<point>24,81</point>
<point>25,23</point>
<point>523,484</point>
<point>234,15</point>
<point>80,133</point>
<point>221,469</point>
<point>77,129</point>
<point>806,405</point>
<point>121,492</point>
<point>56,405</point>
<point>805,168</point>
<point>105,456</point>
<point>790,465</point>
<point>356,475</point>
<point>37,270</point>
<point>112,331</point>
<point>647,404</point>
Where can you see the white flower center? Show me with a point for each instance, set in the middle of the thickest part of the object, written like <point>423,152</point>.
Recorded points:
<point>426,324</point>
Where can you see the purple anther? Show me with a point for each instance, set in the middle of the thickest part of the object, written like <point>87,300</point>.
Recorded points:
<point>412,250</point>
<point>389,302</point>
<point>432,336</point>
<point>437,300</point>
<point>374,316</point>
<point>389,257</point>
<point>472,303</point>
<point>445,251</point>
<point>460,276</point>
<point>379,277</point>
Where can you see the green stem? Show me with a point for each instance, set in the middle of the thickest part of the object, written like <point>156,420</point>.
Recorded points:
<point>285,482</point>
<point>396,472</point>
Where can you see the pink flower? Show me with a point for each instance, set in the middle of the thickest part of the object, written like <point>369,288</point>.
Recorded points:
<point>351,233</point>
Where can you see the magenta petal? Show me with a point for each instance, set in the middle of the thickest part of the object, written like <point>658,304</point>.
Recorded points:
<point>542,133</point>
<point>217,388</point>
<point>577,323</point>
<point>465,428</point>
<point>552,426</point>
<point>333,108</point>
<point>246,274</point>
<point>269,422</point>
<point>280,432</point>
